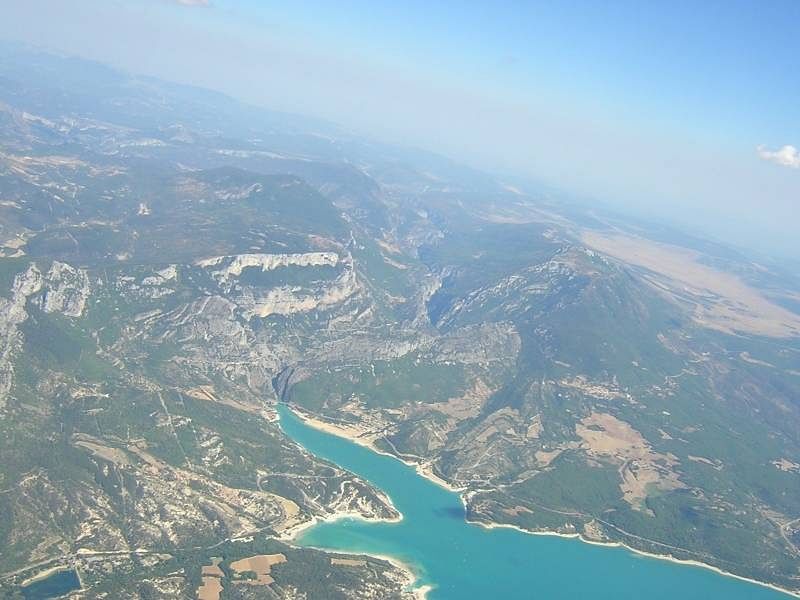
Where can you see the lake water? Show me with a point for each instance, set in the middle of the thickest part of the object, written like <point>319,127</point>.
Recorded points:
<point>464,561</point>
<point>56,585</point>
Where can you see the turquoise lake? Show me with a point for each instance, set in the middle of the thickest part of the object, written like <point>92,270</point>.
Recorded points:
<point>464,561</point>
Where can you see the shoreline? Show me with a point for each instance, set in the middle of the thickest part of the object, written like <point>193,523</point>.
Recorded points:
<point>424,471</point>
<point>612,544</point>
<point>290,535</point>
<point>42,575</point>
<point>419,592</point>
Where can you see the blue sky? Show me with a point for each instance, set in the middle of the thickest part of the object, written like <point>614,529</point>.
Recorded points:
<point>679,110</point>
<point>697,64</point>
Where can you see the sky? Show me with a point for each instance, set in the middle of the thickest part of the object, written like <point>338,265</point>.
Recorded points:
<point>683,111</point>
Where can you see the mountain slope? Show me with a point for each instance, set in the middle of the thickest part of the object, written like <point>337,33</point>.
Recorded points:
<point>174,263</point>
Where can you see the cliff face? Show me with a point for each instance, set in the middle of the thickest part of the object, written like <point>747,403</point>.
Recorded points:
<point>12,314</point>
<point>169,271</point>
<point>62,289</point>
<point>136,398</point>
<point>67,290</point>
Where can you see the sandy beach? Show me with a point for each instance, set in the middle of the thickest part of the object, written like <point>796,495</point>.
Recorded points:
<point>364,438</point>
<point>45,574</point>
<point>290,535</point>
<point>294,531</point>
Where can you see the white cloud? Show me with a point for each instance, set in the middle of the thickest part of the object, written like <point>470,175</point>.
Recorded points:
<point>787,156</point>
<point>192,2</point>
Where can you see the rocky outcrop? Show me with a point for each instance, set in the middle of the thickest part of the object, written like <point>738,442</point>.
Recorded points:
<point>288,300</point>
<point>12,314</point>
<point>64,289</point>
<point>232,266</point>
<point>67,290</point>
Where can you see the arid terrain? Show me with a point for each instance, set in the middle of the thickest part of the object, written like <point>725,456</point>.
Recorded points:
<point>175,263</point>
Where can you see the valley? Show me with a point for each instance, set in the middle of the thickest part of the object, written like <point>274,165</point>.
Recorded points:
<point>175,265</point>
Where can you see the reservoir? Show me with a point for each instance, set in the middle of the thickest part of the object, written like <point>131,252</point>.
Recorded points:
<point>464,562</point>
<point>56,585</point>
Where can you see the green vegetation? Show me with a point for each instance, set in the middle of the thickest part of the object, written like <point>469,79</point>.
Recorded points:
<point>383,384</point>
<point>475,329</point>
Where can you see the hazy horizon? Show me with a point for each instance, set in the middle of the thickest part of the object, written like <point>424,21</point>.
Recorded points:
<point>416,301</point>
<point>684,117</point>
